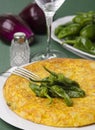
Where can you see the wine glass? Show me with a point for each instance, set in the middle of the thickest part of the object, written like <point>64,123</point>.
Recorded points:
<point>49,8</point>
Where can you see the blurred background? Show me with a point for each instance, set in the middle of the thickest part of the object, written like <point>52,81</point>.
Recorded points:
<point>69,7</point>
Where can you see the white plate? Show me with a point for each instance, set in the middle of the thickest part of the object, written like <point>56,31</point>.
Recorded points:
<point>62,21</point>
<point>10,117</point>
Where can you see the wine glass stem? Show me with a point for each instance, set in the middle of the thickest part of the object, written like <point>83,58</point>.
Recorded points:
<point>49,20</point>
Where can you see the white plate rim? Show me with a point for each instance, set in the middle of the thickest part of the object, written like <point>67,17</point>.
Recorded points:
<point>11,118</point>
<point>62,21</point>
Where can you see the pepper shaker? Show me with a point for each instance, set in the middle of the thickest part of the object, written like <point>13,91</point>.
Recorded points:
<point>19,50</point>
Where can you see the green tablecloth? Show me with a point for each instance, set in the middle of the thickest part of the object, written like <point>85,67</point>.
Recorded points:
<point>70,7</point>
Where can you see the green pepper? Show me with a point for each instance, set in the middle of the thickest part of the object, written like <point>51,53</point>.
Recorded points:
<point>88,31</point>
<point>82,43</point>
<point>35,88</point>
<point>59,79</point>
<point>84,18</point>
<point>57,85</point>
<point>61,27</point>
<point>40,91</point>
<point>71,37</point>
<point>74,91</point>
<point>86,14</point>
<point>75,94</point>
<point>61,93</point>
<point>58,29</point>
<point>72,29</point>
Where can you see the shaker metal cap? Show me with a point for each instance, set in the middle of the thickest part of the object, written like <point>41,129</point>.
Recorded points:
<point>19,37</point>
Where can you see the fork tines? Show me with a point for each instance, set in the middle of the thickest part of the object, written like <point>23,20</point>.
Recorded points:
<point>25,73</point>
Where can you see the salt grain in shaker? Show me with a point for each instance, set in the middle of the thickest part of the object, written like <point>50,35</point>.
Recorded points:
<point>19,50</point>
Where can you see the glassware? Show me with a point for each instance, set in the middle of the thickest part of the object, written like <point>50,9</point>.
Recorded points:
<point>19,50</point>
<point>49,8</point>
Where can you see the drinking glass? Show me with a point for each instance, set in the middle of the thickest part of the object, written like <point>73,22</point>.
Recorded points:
<point>49,8</point>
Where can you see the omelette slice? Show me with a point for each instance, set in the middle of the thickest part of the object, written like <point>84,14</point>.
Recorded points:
<point>24,102</point>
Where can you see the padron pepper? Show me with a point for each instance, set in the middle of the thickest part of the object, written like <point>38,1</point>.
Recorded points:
<point>57,85</point>
<point>84,18</point>
<point>88,31</point>
<point>71,29</point>
<point>61,27</point>
<point>61,93</point>
<point>82,43</point>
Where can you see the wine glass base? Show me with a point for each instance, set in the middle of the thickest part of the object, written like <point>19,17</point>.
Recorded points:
<point>43,56</point>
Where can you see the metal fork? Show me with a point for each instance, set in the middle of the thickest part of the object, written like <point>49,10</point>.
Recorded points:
<point>20,71</point>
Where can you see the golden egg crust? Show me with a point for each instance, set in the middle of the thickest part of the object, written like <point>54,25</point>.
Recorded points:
<point>23,101</point>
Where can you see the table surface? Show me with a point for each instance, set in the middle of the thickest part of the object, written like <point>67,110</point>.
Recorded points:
<point>70,7</point>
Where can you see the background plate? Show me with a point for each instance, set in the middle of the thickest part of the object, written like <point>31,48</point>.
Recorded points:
<point>10,117</point>
<point>78,52</point>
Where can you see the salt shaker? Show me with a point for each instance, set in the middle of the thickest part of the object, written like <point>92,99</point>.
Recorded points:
<point>19,50</point>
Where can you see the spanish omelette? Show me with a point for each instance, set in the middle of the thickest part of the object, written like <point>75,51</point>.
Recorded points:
<point>23,101</point>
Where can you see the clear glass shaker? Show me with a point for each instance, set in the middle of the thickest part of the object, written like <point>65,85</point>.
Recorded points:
<point>19,50</point>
